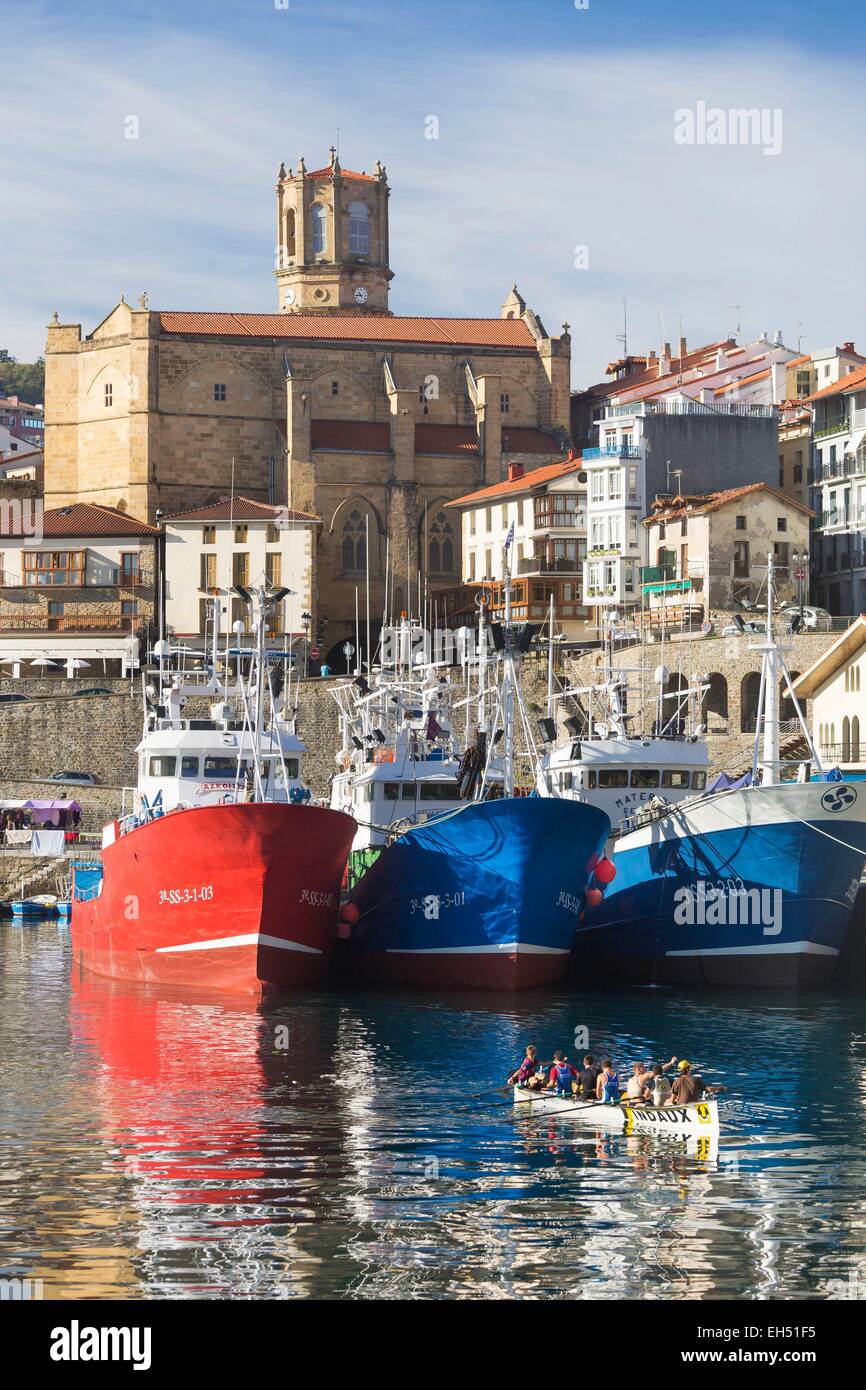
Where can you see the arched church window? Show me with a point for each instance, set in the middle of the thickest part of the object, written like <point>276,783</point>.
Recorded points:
<point>359,230</point>
<point>290,232</point>
<point>354,542</point>
<point>320,225</point>
<point>440,545</point>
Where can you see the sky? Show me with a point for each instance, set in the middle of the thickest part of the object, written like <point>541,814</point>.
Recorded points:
<point>584,149</point>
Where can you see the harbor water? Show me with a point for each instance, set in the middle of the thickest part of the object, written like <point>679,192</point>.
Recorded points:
<point>354,1145</point>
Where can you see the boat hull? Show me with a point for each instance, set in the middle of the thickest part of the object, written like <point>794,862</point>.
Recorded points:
<point>486,897</point>
<point>753,887</point>
<point>237,898</point>
<point>683,1121</point>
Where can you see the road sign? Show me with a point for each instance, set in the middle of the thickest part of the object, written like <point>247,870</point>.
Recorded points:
<point>314,653</point>
<point>801,574</point>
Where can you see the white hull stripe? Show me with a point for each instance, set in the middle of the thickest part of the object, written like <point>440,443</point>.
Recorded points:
<point>252,938</point>
<point>783,948</point>
<point>511,947</point>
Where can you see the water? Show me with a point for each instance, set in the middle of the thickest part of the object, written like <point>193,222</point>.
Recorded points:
<point>332,1145</point>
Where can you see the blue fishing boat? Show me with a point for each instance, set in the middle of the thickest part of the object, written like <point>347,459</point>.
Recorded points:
<point>485,897</point>
<point>752,883</point>
<point>480,883</point>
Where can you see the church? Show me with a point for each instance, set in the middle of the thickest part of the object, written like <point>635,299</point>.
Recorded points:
<point>331,405</point>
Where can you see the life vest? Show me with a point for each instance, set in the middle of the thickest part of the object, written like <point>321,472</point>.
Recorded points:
<point>610,1090</point>
<point>563,1074</point>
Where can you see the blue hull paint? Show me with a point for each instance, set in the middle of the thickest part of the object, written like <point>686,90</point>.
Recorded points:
<point>488,897</point>
<point>639,932</point>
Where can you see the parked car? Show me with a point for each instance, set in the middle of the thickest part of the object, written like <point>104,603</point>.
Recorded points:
<point>814,619</point>
<point>751,627</point>
<point>92,690</point>
<point>82,779</point>
<point>12,699</point>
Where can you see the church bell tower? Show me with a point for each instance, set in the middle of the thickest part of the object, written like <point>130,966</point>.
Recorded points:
<point>332,239</point>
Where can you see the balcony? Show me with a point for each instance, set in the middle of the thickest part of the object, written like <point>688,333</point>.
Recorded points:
<point>613,451</point>
<point>69,622</point>
<point>553,520</point>
<point>687,407</point>
<point>540,564</point>
<point>841,425</point>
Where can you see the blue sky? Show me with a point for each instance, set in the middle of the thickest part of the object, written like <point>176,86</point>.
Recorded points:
<point>556,163</point>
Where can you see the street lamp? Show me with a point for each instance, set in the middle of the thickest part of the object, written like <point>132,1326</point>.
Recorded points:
<point>801,560</point>
<point>306,620</point>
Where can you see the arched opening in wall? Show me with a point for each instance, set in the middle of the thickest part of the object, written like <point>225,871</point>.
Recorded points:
<point>359,229</point>
<point>671,719</point>
<point>335,658</point>
<point>439,548</point>
<point>750,690</point>
<point>716,696</point>
<point>846,739</point>
<point>355,531</point>
<point>787,713</point>
<point>319,226</point>
<point>290,234</point>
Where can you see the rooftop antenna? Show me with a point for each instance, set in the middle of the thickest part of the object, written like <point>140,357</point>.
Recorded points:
<point>623,336</point>
<point>738,308</point>
<point>676,473</point>
<point>799,337</point>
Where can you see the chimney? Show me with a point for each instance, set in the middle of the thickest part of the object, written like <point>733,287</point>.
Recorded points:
<point>515,471</point>
<point>683,348</point>
<point>720,359</point>
<point>848,347</point>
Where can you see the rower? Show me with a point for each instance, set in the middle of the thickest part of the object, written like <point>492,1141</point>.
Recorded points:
<point>607,1086</point>
<point>658,1088</point>
<point>562,1076</point>
<point>688,1088</point>
<point>587,1079</point>
<point>525,1075</point>
<point>637,1082</point>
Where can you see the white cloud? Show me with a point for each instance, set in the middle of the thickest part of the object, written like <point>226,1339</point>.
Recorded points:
<point>536,155</point>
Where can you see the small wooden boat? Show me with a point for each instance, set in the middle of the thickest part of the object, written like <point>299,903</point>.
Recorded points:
<point>681,1121</point>
<point>42,905</point>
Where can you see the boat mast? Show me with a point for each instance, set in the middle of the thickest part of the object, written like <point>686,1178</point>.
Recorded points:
<point>770,718</point>
<point>550,663</point>
<point>508,687</point>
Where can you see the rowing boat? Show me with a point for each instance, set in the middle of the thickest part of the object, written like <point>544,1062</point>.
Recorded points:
<point>700,1117</point>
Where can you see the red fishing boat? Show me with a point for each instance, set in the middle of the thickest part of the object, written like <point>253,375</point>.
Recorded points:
<point>226,875</point>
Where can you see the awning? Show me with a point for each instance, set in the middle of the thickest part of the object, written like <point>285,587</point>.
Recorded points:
<point>52,805</point>
<point>855,441</point>
<point>671,586</point>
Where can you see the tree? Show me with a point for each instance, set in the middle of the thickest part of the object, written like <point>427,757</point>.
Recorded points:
<point>26,380</point>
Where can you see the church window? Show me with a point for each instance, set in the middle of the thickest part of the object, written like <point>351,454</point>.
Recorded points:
<point>319,229</point>
<point>359,230</point>
<point>109,393</point>
<point>354,546</point>
<point>219,391</point>
<point>504,402</point>
<point>440,545</point>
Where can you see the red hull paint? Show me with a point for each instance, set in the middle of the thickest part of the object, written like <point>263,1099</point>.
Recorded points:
<point>508,970</point>
<point>226,884</point>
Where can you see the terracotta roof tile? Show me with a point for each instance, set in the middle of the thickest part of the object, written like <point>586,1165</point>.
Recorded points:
<point>241,509</point>
<point>346,173</point>
<point>337,327</point>
<point>358,436</point>
<point>854,381</point>
<point>92,519</point>
<point>534,478</point>
<point>712,501</point>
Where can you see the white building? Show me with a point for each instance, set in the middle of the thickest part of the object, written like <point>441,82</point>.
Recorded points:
<point>547,509</point>
<point>77,589</point>
<point>836,685</point>
<point>839,492</point>
<point>211,549</point>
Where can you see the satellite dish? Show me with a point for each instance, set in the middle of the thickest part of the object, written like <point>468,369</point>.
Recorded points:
<point>661,674</point>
